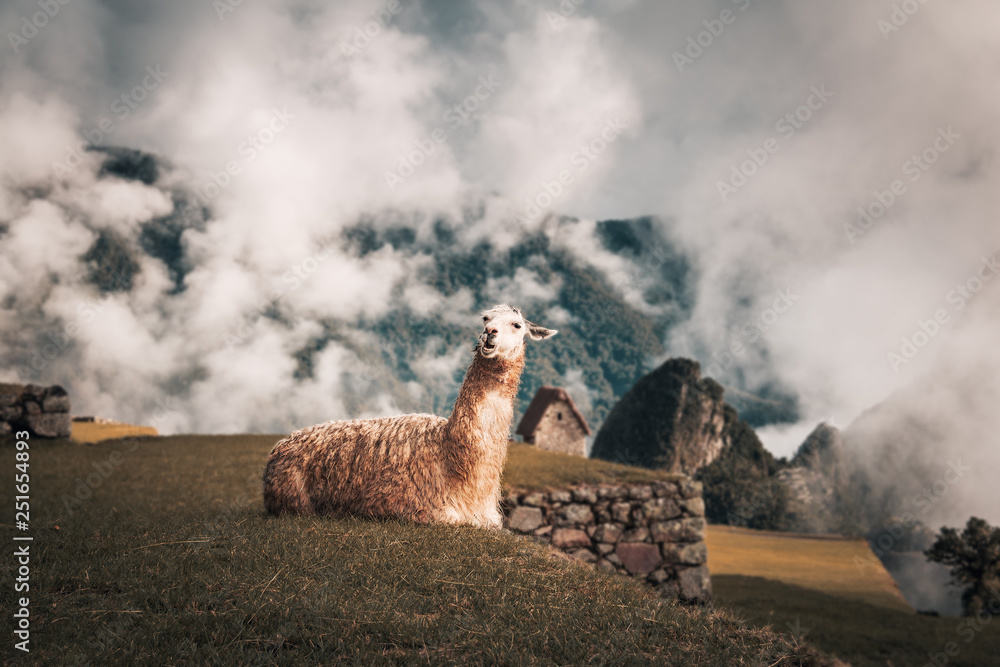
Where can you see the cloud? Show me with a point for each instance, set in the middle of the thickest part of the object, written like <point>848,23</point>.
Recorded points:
<point>260,118</point>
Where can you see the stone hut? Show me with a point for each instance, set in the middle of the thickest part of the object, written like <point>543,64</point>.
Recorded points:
<point>554,423</point>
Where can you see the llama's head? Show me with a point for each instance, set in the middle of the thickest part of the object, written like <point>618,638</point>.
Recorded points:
<point>504,329</point>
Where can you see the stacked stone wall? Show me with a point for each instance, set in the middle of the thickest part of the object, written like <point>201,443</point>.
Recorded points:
<point>42,411</point>
<point>654,531</point>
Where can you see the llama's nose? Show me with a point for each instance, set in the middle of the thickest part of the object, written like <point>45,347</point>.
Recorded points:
<point>492,331</point>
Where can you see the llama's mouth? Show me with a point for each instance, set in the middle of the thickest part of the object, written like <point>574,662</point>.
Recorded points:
<point>489,347</point>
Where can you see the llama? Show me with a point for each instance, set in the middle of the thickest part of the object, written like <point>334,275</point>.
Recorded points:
<point>419,467</point>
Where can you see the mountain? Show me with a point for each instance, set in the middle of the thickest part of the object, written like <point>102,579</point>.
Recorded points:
<point>595,360</point>
<point>148,257</point>
<point>819,481</point>
<point>674,419</point>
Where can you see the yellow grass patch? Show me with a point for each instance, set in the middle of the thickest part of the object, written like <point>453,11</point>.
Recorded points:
<point>529,467</point>
<point>96,431</point>
<point>830,565</point>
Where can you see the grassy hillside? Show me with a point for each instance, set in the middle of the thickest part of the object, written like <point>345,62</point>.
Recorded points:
<point>825,564</point>
<point>168,558</point>
<point>863,634</point>
<point>529,468</point>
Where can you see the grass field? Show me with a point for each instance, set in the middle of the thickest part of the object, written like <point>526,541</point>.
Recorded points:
<point>863,634</point>
<point>527,467</point>
<point>827,565</point>
<point>157,551</point>
<point>531,468</point>
<point>91,432</point>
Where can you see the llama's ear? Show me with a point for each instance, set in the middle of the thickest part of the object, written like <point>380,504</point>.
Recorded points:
<point>536,332</point>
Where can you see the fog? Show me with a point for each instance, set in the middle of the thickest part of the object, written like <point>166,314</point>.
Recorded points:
<point>754,135</point>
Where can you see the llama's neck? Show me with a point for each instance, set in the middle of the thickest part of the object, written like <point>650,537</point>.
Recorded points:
<point>479,426</point>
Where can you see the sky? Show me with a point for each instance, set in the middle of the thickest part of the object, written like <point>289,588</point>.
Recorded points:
<point>830,168</point>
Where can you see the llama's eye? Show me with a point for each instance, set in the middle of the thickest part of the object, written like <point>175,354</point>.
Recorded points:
<point>516,325</point>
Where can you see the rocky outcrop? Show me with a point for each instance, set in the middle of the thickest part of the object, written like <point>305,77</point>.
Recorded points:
<point>652,531</point>
<point>812,480</point>
<point>42,411</point>
<point>672,419</point>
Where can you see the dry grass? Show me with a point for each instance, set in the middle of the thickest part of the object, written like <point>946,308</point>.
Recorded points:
<point>860,633</point>
<point>827,565</point>
<point>531,468</point>
<point>91,432</point>
<point>170,559</point>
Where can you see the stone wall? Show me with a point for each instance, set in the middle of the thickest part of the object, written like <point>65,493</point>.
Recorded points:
<point>42,411</point>
<point>655,531</point>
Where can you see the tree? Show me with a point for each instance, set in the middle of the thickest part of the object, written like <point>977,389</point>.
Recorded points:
<point>974,557</point>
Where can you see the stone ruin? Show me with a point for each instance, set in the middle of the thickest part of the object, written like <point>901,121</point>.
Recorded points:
<point>42,411</point>
<point>654,531</point>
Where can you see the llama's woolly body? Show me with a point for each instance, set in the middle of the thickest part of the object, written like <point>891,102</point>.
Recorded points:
<point>417,467</point>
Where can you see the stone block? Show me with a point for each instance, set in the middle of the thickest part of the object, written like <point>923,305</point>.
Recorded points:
<point>608,532</point>
<point>570,515</point>
<point>568,538</point>
<point>33,392</point>
<point>584,494</point>
<point>662,489</point>
<point>561,496</point>
<point>639,558</point>
<point>10,413</point>
<point>694,506</point>
<point>535,499</point>
<point>53,425</point>
<point>657,577</point>
<point>695,584</point>
<point>621,512</point>
<point>639,534</point>
<point>56,399</point>
<point>661,509</point>
<point>526,519</point>
<point>679,530</point>
<point>640,492</point>
<point>611,492</point>
<point>544,531</point>
<point>690,488</point>
<point>685,554</point>
<point>604,548</point>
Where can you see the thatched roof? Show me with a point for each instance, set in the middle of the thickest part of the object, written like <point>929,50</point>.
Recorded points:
<point>545,397</point>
